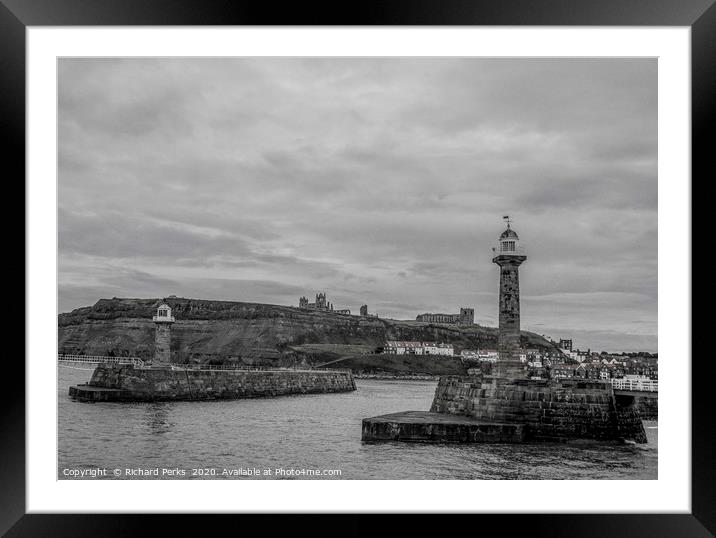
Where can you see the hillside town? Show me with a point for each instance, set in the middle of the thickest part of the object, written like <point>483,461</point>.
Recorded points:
<point>623,370</point>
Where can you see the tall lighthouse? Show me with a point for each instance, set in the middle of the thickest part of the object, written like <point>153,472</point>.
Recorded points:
<point>509,256</point>
<point>162,341</point>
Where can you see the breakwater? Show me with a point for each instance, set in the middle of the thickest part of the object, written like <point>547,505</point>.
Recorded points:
<point>646,403</point>
<point>129,383</point>
<point>551,410</point>
<point>439,427</point>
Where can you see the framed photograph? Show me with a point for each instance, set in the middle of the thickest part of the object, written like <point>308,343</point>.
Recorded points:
<point>414,260</point>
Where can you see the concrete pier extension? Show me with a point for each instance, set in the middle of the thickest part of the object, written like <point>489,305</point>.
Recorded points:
<point>439,427</point>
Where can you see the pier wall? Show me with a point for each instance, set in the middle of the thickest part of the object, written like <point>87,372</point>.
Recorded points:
<point>648,406</point>
<point>646,403</point>
<point>126,383</point>
<point>551,410</point>
<point>439,427</point>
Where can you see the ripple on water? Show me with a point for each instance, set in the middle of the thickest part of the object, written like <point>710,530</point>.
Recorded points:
<point>320,431</point>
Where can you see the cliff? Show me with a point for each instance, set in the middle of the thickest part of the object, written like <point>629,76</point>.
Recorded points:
<point>250,333</point>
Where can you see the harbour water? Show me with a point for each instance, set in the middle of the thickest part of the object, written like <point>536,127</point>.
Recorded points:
<point>318,433</point>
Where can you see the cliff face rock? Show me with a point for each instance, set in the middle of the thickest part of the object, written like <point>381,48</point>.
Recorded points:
<point>247,332</point>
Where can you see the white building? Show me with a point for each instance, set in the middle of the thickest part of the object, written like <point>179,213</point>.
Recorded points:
<point>396,347</point>
<point>430,348</point>
<point>487,355</point>
<point>434,348</point>
<point>447,350</point>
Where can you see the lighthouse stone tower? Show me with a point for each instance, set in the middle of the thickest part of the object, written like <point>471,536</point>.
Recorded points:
<point>163,322</point>
<point>509,256</point>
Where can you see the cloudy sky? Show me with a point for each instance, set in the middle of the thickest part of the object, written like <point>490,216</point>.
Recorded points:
<point>382,181</point>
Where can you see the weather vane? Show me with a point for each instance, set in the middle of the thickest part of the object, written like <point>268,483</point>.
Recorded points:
<point>507,220</point>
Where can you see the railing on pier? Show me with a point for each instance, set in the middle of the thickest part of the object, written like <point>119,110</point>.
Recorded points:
<point>253,368</point>
<point>219,367</point>
<point>134,361</point>
<point>644,385</point>
<point>98,359</point>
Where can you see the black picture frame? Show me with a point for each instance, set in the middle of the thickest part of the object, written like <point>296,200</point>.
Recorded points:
<point>699,15</point>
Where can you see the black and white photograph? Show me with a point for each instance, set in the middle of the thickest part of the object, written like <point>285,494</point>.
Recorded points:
<point>357,268</point>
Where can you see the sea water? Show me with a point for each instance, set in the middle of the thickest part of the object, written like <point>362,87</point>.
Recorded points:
<point>314,436</point>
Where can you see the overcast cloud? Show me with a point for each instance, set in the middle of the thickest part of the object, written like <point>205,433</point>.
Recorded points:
<point>380,181</point>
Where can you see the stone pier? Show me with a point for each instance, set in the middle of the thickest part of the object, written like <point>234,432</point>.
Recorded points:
<point>439,427</point>
<point>550,410</point>
<point>478,409</point>
<point>506,406</point>
<point>125,383</point>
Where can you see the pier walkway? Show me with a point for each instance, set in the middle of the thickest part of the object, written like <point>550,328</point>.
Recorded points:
<point>68,360</point>
<point>72,360</point>
<point>638,385</point>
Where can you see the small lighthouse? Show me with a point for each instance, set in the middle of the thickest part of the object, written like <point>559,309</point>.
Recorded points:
<point>509,256</point>
<point>162,341</point>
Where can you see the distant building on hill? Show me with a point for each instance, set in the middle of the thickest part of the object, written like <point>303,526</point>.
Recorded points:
<point>487,355</point>
<point>395,347</point>
<point>364,312</point>
<point>432,348</point>
<point>465,317</point>
<point>320,304</point>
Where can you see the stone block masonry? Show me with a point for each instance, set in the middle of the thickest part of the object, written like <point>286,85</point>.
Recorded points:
<point>127,383</point>
<point>162,343</point>
<point>646,403</point>
<point>509,314</point>
<point>509,311</point>
<point>439,427</point>
<point>551,411</point>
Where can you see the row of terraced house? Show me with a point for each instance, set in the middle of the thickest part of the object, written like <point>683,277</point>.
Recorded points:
<point>396,347</point>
